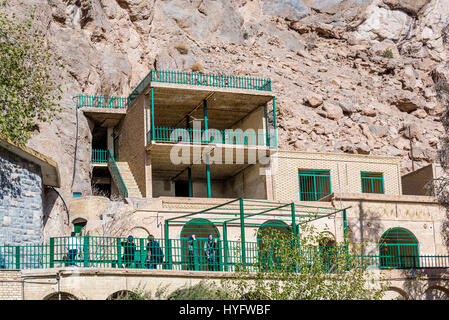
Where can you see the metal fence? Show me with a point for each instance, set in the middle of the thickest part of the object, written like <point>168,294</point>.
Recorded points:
<point>236,137</point>
<point>87,101</point>
<point>99,156</point>
<point>185,254</point>
<point>200,79</point>
<point>116,175</point>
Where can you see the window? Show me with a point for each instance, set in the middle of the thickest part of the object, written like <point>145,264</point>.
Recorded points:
<point>372,182</point>
<point>398,248</point>
<point>313,184</point>
<point>181,189</point>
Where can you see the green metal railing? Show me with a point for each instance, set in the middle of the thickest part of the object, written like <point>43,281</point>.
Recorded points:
<point>176,77</point>
<point>199,79</point>
<point>87,101</point>
<point>372,182</point>
<point>116,175</point>
<point>185,254</point>
<point>237,137</point>
<point>99,156</point>
<point>313,184</point>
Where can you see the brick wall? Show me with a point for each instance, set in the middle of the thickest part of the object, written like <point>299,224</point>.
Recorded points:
<point>132,142</point>
<point>20,200</point>
<point>344,171</point>
<point>10,285</point>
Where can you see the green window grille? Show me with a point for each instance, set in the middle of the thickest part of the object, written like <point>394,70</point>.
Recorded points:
<point>314,184</point>
<point>372,182</point>
<point>398,249</point>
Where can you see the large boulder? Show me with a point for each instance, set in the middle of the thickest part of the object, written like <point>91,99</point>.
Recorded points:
<point>410,6</point>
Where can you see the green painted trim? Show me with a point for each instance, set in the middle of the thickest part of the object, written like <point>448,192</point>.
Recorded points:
<point>153,127</point>
<point>189,177</point>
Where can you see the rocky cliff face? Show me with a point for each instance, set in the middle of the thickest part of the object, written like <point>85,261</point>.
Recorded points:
<point>349,75</point>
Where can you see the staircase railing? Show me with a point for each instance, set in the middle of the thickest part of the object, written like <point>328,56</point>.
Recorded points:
<point>116,175</point>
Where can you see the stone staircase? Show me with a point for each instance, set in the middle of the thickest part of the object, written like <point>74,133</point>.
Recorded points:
<point>128,179</point>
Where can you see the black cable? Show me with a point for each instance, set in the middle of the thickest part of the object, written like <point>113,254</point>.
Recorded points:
<point>65,205</point>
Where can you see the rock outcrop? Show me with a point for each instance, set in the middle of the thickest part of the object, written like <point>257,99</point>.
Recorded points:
<point>351,75</point>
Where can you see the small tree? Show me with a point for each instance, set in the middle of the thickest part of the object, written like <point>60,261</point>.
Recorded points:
<point>297,268</point>
<point>29,93</point>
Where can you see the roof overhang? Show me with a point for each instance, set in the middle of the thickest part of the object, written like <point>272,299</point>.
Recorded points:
<point>49,168</point>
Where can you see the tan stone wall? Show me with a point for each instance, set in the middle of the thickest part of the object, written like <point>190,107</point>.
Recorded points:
<point>370,216</point>
<point>254,120</point>
<point>417,182</point>
<point>344,170</point>
<point>132,141</point>
<point>10,285</point>
<point>99,284</point>
<point>89,208</point>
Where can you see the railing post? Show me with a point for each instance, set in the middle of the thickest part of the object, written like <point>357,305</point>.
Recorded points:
<point>52,252</point>
<point>242,231</point>
<point>345,228</point>
<point>86,251</point>
<point>153,128</point>
<point>293,212</point>
<point>142,254</point>
<point>168,264</point>
<point>17,257</point>
<point>195,255</point>
<point>225,246</point>
<point>189,174</point>
<point>119,252</point>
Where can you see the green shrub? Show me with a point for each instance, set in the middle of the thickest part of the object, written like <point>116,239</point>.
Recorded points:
<point>200,291</point>
<point>388,53</point>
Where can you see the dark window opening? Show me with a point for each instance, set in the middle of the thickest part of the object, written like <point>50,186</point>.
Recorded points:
<point>181,189</point>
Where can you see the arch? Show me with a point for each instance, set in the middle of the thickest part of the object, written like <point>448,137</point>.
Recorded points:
<point>122,295</point>
<point>395,293</point>
<point>139,232</point>
<point>193,253</point>
<point>327,239</point>
<point>398,248</point>
<point>270,227</point>
<point>436,292</point>
<point>64,296</point>
<point>268,236</point>
<point>328,251</point>
<point>200,228</point>
<point>78,224</point>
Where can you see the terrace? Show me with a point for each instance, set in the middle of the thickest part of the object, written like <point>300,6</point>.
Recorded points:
<point>232,253</point>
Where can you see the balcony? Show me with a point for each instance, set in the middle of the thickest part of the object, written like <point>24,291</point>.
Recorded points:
<point>108,252</point>
<point>212,136</point>
<point>199,79</point>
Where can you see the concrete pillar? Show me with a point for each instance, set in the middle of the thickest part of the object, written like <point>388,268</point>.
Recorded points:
<point>110,139</point>
<point>148,176</point>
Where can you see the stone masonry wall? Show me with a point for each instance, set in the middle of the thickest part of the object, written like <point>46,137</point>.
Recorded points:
<point>20,200</point>
<point>10,285</point>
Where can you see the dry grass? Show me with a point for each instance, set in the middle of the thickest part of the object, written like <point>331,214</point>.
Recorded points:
<point>182,48</point>
<point>197,67</point>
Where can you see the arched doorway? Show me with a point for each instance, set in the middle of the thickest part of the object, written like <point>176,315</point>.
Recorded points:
<point>398,248</point>
<point>328,252</point>
<point>199,254</point>
<point>271,236</point>
<point>60,296</point>
<point>124,295</point>
<point>78,225</point>
<point>437,293</point>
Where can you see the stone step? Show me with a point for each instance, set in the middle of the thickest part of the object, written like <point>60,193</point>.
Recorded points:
<point>129,180</point>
